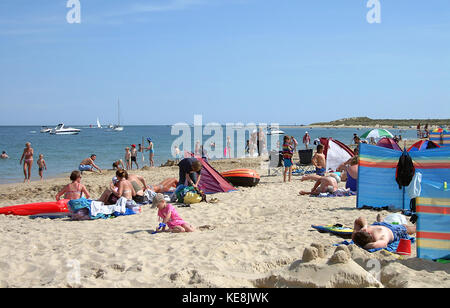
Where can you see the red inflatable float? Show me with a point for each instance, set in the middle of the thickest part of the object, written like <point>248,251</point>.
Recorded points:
<point>55,207</point>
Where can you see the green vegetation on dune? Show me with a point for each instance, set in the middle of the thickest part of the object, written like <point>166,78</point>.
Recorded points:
<point>365,121</point>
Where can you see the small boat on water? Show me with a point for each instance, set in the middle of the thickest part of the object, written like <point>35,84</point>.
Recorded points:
<point>45,129</point>
<point>274,131</point>
<point>62,130</point>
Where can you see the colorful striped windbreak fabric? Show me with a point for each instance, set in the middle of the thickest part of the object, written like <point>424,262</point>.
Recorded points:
<point>433,223</point>
<point>443,138</point>
<point>376,174</point>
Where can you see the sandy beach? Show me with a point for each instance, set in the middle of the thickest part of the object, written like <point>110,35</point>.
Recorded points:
<point>253,237</point>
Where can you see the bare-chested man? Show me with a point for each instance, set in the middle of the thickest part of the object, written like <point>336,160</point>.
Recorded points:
<point>27,158</point>
<point>379,234</point>
<point>324,184</point>
<point>88,164</point>
<point>319,161</point>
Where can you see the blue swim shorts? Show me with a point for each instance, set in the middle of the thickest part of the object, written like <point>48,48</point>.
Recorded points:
<point>320,171</point>
<point>85,167</point>
<point>399,231</point>
<point>287,162</point>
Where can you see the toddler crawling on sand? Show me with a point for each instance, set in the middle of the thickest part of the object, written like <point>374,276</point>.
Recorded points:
<point>170,216</point>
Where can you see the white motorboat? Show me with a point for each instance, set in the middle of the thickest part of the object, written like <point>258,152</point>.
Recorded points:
<point>45,129</point>
<point>62,130</point>
<point>274,131</point>
<point>117,128</point>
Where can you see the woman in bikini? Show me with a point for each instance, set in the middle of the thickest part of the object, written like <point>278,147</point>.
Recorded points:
<point>126,189</point>
<point>138,183</point>
<point>74,190</point>
<point>151,150</point>
<point>27,158</point>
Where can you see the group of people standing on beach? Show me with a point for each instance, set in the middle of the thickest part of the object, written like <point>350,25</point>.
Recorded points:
<point>88,164</point>
<point>131,156</point>
<point>27,159</point>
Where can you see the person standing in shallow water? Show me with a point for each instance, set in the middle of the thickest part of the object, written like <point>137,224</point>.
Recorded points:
<point>27,158</point>
<point>151,151</point>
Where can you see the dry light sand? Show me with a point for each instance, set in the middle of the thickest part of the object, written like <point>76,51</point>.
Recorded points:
<point>253,237</point>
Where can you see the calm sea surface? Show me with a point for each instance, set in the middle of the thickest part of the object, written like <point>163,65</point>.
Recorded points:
<point>63,153</point>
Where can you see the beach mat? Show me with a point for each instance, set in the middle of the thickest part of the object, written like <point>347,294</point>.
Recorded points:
<point>336,229</point>
<point>339,193</point>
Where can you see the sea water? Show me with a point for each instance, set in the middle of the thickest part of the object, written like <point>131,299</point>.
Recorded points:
<point>63,153</point>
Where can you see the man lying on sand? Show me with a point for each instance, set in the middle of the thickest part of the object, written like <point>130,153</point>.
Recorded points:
<point>379,234</point>
<point>324,184</point>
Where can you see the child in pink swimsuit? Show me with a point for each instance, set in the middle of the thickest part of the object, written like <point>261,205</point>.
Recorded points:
<point>170,216</point>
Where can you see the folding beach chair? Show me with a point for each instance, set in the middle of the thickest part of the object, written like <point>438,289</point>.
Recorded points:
<point>275,162</point>
<point>305,165</point>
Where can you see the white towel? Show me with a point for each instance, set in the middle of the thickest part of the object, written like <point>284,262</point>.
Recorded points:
<point>98,207</point>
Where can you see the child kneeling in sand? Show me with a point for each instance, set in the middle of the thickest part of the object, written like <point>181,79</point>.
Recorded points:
<point>170,216</point>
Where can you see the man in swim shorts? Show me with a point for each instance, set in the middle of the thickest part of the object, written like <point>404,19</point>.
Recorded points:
<point>88,164</point>
<point>379,234</point>
<point>319,161</point>
<point>134,156</point>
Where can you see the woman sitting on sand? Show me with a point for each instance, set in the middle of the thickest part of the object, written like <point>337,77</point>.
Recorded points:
<point>74,190</point>
<point>126,189</point>
<point>351,170</point>
<point>139,183</point>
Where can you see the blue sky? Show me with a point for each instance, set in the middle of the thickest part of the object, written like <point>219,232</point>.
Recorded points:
<point>285,61</point>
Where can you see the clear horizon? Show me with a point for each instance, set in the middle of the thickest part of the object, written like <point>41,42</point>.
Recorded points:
<point>293,62</point>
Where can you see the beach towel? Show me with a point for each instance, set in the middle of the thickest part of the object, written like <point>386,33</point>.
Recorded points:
<point>399,233</point>
<point>341,192</point>
<point>392,247</point>
<point>336,229</point>
<point>84,209</point>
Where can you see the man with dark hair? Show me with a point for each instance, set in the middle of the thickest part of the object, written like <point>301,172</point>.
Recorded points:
<point>379,234</point>
<point>190,169</point>
<point>88,164</point>
<point>319,161</point>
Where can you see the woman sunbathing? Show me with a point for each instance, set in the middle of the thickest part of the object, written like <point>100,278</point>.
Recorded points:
<point>138,183</point>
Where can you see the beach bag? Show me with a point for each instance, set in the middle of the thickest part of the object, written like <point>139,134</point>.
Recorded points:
<point>191,198</point>
<point>405,170</point>
<point>181,192</point>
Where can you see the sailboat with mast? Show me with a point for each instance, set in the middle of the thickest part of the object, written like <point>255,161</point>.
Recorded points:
<point>117,127</point>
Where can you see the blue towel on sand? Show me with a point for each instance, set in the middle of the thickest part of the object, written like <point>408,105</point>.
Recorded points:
<point>392,247</point>
<point>337,193</point>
